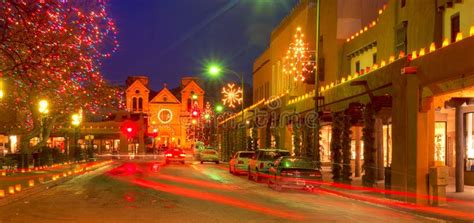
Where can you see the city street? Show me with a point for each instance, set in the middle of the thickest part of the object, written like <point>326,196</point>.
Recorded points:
<point>143,111</point>
<point>139,191</point>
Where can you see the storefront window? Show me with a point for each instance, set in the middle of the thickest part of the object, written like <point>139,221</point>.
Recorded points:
<point>13,143</point>
<point>440,142</point>
<point>469,142</point>
<point>387,145</point>
<point>353,149</point>
<point>324,142</point>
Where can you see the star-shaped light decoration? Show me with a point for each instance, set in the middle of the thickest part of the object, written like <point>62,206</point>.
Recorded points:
<point>231,95</point>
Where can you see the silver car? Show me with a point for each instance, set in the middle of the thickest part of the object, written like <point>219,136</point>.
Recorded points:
<point>209,155</point>
<point>240,162</point>
<point>260,163</point>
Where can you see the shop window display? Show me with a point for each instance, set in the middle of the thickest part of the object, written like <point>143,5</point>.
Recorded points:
<point>387,145</point>
<point>324,142</point>
<point>469,142</point>
<point>440,142</point>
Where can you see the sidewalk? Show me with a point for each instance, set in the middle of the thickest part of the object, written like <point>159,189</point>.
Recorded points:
<point>459,206</point>
<point>18,181</point>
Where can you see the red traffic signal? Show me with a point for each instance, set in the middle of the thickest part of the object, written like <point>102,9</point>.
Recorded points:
<point>195,113</point>
<point>129,128</point>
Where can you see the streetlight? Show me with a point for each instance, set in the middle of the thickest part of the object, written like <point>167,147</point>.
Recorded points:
<point>90,146</point>
<point>43,106</point>
<point>219,108</point>
<point>43,110</point>
<point>2,92</point>
<point>76,121</point>
<point>215,70</point>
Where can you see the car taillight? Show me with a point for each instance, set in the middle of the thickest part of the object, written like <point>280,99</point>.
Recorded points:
<point>315,174</point>
<point>241,162</point>
<point>169,155</point>
<point>182,155</point>
<point>286,173</point>
<point>261,165</point>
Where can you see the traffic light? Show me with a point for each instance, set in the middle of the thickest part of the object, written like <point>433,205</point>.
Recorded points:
<point>195,113</point>
<point>129,128</point>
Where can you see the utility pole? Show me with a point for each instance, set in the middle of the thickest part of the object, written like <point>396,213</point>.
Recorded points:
<point>316,151</point>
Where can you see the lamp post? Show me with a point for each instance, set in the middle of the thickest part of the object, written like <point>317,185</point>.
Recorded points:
<point>317,152</point>
<point>43,110</point>
<point>90,146</point>
<point>75,122</point>
<point>2,91</point>
<point>215,70</point>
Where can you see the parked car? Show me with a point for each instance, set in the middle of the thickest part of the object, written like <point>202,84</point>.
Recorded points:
<point>295,173</point>
<point>209,155</point>
<point>261,160</point>
<point>240,162</point>
<point>175,155</point>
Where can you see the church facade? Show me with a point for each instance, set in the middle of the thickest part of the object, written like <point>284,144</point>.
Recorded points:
<point>168,113</point>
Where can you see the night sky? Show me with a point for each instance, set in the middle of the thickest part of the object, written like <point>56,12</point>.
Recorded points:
<point>169,39</point>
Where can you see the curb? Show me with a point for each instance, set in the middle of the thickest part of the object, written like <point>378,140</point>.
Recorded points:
<point>57,180</point>
<point>431,216</point>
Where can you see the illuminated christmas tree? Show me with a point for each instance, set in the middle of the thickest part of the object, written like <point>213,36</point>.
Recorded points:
<point>51,50</point>
<point>298,62</point>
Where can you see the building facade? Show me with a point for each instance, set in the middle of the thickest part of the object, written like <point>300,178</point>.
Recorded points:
<point>395,74</point>
<point>168,112</point>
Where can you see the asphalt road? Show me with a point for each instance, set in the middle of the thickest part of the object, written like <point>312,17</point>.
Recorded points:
<point>135,192</point>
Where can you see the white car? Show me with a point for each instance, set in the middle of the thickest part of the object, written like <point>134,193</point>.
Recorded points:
<point>240,162</point>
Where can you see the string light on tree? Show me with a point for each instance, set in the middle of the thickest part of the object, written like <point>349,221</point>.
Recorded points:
<point>298,62</point>
<point>70,39</point>
<point>231,95</point>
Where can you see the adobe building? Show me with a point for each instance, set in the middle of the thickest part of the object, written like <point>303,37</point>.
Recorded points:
<point>159,119</point>
<point>167,112</point>
<point>408,61</point>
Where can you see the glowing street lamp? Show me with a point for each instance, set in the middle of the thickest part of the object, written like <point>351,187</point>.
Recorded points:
<point>2,92</point>
<point>43,110</point>
<point>43,106</point>
<point>76,120</point>
<point>219,108</point>
<point>214,70</point>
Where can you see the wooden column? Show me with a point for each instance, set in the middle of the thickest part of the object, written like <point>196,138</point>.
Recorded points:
<point>379,146</point>
<point>459,149</point>
<point>357,135</point>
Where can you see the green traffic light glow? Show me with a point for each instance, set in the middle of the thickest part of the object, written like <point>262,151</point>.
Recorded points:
<point>219,108</point>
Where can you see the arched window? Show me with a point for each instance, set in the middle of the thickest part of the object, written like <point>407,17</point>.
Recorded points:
<point>134,104</point>
<point>190,104</point>
<point>140,104</point>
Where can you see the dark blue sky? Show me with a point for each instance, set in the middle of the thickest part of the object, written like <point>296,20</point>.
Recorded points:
<point>168,39</point>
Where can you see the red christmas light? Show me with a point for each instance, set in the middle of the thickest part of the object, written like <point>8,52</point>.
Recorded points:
<point>53,49</point>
